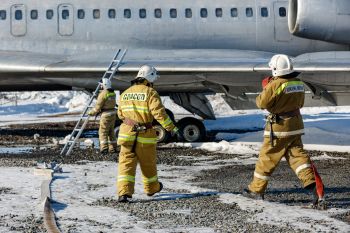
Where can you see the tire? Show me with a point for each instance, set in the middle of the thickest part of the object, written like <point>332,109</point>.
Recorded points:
<point>162,134</point>
<point>193,129</point>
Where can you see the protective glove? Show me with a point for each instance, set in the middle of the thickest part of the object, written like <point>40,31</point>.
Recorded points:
<point>91,113</point>
<point>179,135</point>
<point>265,81</point>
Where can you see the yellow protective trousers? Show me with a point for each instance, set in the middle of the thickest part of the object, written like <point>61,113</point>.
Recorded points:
<point>289,147</point>
<point>145,154</point>
<point>106,132</point>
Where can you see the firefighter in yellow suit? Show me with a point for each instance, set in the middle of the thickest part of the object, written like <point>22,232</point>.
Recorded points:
<point>105,105</point>
<point>283,96</point>
<point>138,106</point>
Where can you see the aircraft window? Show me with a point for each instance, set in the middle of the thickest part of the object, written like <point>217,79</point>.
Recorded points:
<point>249,12</point>
<point>204,13</point>
<point>18,15</point>
<point>49,14</point>
<point>142,13</point>
<point>127,13</point>
<point>234,12</point>
<point>264,12</point>
<point>218,12</point>
<point>158,13</point>
<point>96,13</point>
<point>65,14</point>
<point>173,13</point>
<point>34,14</point>
<point>188,13</point>
<point>111,13</point>
<point>282,12</point>
<point>81,14</point>
<point>2,14</point>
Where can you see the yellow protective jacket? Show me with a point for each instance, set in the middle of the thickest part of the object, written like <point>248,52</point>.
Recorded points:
<point>279,96</point>
<point>141,104</point>
<point>105,102</point>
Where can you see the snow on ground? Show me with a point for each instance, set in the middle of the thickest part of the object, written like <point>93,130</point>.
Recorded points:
<point>79,186</point>
<point>22,197</point>
<point>278,214</point>
<point>326,129</point>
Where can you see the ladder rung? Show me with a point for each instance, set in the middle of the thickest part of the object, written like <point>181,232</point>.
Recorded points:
<point>82,122</point>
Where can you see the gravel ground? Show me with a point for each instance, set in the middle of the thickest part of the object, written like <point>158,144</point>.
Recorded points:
<point>284,185</point>
<point>30,224</point>
<point>205,211</point>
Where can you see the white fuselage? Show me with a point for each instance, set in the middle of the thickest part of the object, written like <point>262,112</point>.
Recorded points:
<point>75,26</point>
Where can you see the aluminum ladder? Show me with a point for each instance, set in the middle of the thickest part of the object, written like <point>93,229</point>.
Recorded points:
<point>84,118</point>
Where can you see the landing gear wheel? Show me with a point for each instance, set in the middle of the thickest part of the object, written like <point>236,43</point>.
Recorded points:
<point>193,129</point>
<point>162,134</point>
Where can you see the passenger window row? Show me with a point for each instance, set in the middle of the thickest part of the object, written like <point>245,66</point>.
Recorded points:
<point>173,13</point>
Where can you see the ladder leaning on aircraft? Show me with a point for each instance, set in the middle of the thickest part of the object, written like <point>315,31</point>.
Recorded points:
<point>84,118</point>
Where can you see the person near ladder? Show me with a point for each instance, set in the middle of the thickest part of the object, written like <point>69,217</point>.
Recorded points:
<point>138,106</point>
<point>283,96</point>
<point>105,105</point>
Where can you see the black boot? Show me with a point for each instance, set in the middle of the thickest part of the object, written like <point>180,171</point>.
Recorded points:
<point>104,152</point>
<point>253,195</point>
<point>317,203</point>
<point>124,198</point>
<point>160,189</point>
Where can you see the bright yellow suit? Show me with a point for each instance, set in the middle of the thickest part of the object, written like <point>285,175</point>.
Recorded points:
<point>280,97</point>
<point>139,103</point>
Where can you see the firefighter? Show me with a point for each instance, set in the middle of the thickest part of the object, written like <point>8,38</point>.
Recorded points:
<point>105,106</point>
<point>282,96</point>
<point>138,106</point>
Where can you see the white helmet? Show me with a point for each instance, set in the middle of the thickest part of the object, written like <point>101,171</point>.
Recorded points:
<point>148,72</point>
<point>106,83</point>
<point>281,65</point>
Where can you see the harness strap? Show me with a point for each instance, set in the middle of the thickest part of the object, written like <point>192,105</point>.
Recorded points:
<point>133,123</point>
<point>293,113</point>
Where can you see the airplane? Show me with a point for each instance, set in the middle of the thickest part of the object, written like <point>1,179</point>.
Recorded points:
<point>199,47</point>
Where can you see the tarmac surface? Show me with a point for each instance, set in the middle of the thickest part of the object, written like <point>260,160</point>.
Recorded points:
<point>206,210</point>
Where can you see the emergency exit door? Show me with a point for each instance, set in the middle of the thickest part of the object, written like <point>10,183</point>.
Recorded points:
<point>65,20</point>
<point>18,20</point>
<point>281,21</point>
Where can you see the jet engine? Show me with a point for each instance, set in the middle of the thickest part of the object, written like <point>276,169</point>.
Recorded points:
<point>325,20</point>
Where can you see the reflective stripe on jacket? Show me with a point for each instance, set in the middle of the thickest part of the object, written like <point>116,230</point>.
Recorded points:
<point>141,104</point>
<point>105,102</point>
<point>279,96</point>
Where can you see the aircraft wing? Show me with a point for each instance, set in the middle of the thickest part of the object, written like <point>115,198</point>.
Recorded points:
<point>186,60</point>
<point>181,70</point>
<point>34,71</point>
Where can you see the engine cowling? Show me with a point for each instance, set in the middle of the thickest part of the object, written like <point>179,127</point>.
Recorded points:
<point>325,20</point>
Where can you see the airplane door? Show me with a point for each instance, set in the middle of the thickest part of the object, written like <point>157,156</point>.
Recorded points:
<point>281,21</point>
<point>65,19</point>
<point>18,20</point>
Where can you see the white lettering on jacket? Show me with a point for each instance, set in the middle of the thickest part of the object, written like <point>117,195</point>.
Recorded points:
<point>134,96</point>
